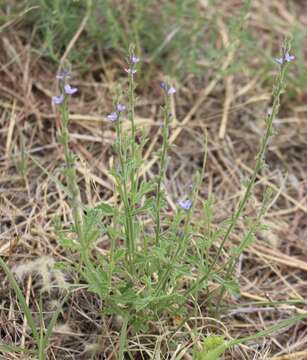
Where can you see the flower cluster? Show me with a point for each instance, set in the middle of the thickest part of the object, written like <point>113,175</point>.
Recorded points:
<point>169,90</point>
<point>114,116</point>
<point>285,58</point>
<point>66,88</point>
<point>133,60</point>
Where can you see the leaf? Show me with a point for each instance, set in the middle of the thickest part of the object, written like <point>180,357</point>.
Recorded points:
<point>146,208</point>
<point>106,209</point>
<point>118,255</point>
<point>123,338</point>
<point>67,242</point>
<point>97,280</point>
<point>91,236</point>
<point>145,188</point>
<point>61,265</point>
<point>213,347</point>
<point>52,323</point>
<point>213,354</point>
<point>4,348</point>
<point>231,285</point>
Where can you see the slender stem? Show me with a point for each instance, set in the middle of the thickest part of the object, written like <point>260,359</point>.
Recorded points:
<point>71,173</point>
<point>125,197</point>
<point>132,173</point>
<point>259,164</point>
<point>163,162</point>
<point>131,98</point>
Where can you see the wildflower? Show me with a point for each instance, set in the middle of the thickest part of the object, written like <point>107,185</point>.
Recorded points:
<point>171,91</point>
<point>163,85</point>
<point>134,59</point>
<point>289,57</point>
<point>58,99</point>
<point>120,107</point>
<point>286,58</point>
<point>185,204</point>
<point>113,116</point>
<point>63,75</point>
<point>70,90</point>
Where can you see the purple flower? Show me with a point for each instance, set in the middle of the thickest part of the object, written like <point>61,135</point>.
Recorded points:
<point>120,107</point>
<point>185,204</point>
<point>70,90</point>
<point>113,116</point>
<point>58,99</point>
<point>286,58</point>
<point>289,57</point>
<point>134,59</point>
<point>63,75</point>
<point>164,85</point>
<point>171,91</point>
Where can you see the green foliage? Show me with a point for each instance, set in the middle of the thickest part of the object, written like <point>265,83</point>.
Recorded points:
<point>55,23</point>
<point>211,348</point>
<point>156,261</point>
<point>180,37</point>
<point>173,35</point>
<point>142,275</point>
<point>214,346</point>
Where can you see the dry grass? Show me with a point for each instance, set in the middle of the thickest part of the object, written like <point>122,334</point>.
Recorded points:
<point>230,110</point>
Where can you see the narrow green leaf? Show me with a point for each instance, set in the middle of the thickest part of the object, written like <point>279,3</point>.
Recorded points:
<point>123,338</point>
<point>4,348</point>
<point>106,209</point>
<point>21,299</point>
<point>53,322</point>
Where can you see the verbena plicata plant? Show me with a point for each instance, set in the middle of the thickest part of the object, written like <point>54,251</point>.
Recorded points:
<point>157,261</point>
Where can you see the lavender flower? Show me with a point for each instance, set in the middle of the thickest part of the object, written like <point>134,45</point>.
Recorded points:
<point>64,74</point>
<point>185,204</point>
<point>113,116</point>
<point>120,107</point>
<point>289,57</point>
<point>171,91</point>
<point>58,99</point>
<point>164,85</point>
<point>286,58</point>
<point>70,90</point>
<point>134,59</point>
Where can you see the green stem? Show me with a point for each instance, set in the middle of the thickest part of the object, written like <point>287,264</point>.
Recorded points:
<point>163,162</point>
<point>131,114</point>
<point>259,163</point>
<point>71,173</point>
<point>125,198</point>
